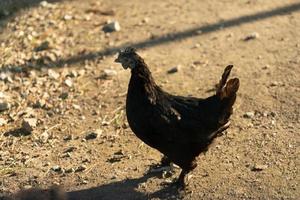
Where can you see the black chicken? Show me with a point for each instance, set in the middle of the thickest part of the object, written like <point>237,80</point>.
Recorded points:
<point>179,127</point>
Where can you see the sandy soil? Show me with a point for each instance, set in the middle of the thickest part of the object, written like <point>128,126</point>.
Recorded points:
<point>255,159</point>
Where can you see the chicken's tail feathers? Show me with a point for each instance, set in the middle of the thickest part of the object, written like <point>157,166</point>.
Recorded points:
<point>226,91</point>
<point>223,80</point>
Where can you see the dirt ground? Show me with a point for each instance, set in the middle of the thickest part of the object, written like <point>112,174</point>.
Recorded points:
<point>57,67</point>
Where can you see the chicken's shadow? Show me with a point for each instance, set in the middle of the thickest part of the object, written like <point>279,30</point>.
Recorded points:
<point>125,190</point>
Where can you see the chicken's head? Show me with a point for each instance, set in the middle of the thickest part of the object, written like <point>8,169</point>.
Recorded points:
<point>128,58</point>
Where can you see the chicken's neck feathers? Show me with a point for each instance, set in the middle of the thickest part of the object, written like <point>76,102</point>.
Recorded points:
<point>142,77</point>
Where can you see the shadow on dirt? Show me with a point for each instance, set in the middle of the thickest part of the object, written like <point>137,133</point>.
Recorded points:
<point>125,190</point>
<point>170,37</point>
<point>8,8</point>
<point>18,132</point>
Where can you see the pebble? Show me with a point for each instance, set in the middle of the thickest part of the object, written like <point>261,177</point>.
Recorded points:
<point>4,105</point>
<point>53,74</point>
<point>68,17</point>
<point>196,46</point>
<point>273,114</point>
<point>251,36</point>
<point>249,115</point>
<point>76,107</point>
<point>70,170</point>
<point>64,95</point>
<point>70,149</point>
<point>258,167</point>
<point>52,57</point>
<point>56,168</point>
<point>112,27</point>
<point>44,137</point>
<point>174,69</point>
<point>265,67</point>
<point>29,124</point>
<point>43,46</point>
<point>40,103</point>
<point>68,137</point>
<point>110,72</point>
<point>3,121</point>
<point>93,134</point>
<point>45,4</point>
<point>73,74</point>
<point>276,83</point>
<point>6,77</point>
<point>69,82</point>
<point>146,20</point>
<point>81,168</point>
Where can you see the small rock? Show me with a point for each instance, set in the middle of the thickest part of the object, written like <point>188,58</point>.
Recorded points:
<point>73,74</point>
<point>197,45</point>
<point>249,115</point>
<point>27,187</point>
<point>258,167</point>
<point>70,170</point>
<point>146,20</point>
<point>174,69</point>
<point>3,121</point>
<point>68,137</point>
<point>81,72</point>
<point>51,56</point>
<point>273,114</point>
<point>274,83</point>
<point>265,67</point>
<point>6,77</point>
<point>273,122</point>
<point>76,107</point>
<point>251,36</point>
<point>82,117</point>
<point>44,137</point>
<point>69,82</point>
<point>66,155</point>
<point>70,149</point>
<point>43,46</point>
<point>93,135</point>
<point>68,17</point>
<point>29,124</point>
<point>4,105</point>
<point>110,72</point>
<point>45,4</point>
<point>64,95</point>
<point>112,27</point>
<point>56,168</point>
<point>81,168</point>
<point>40,103</point>
<point>199,32</point>
<point>53,74</point>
